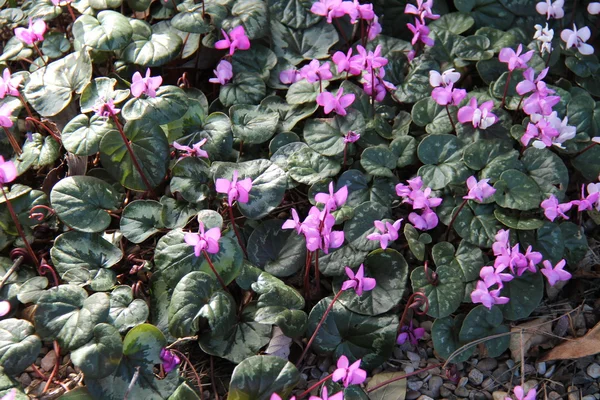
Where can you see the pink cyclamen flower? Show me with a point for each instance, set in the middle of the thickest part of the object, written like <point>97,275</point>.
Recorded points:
<point>315,72</point>
<point>530,84</point>
<point>318,231</point>
<point>427,220</point>
<point>8,85</point>
<point>293,223</point>
<point>201,241</point>
<point>325,396</point>
<point>170,361</point>
<point>422,10</point>
<point>4,308</point>
<point>552,209</point>
<point>146,85</point>
<point>346,63</point>
<point>420,33</point>
<point>586,203</point>
<point>555,274</point>
<point>520,394</point>
<point>348,374</point>
<point>486,297</point>
<point>194,151</point>
<point>495,276</point>
<point>235,190</point>
<point>542,131</point>
<point>408,332</point>
<point>358,281</point>
<point>374,29</point>
<point>515,60</point>
<point>34,33</point>
<point>479,190</point>
<point>5,114</point>
<point>389,232</point>
<point>351,137</point>
<point>414,185</point>
<point>551,9</point>
<point>481,117</point>
<point>447,95</point>
<point>289,76</point>
<point>370,59</point>
<point>275,396</point>
<point>339,102</point>
<point>539,102</point>
<point>105,109</point>
<point>328,8</point>
<point>12,395</point>
<point>223,73</point>
<point>446,78</point>
<point>594,8</point>
<point>236,39</point>
<point>578,38</point>
<point>355,10</point>
<point>333,201</point>
<point>8,171</point>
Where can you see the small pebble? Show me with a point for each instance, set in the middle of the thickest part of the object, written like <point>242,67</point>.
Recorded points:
<point>477,395</point>
<point>446,393</point>
<point>499,395</point>
<point>24,379</point>
<point>325,364</point>
<point>541,368</point>
<point>463,381</point>
<point>487,364</point>
<point>435,384</point>
<point>424,398</point>
<point>206,394</point>
<point>414,358</point>
<point>415,385</point>
<point>554,396</point>
<point>593,370</point>
<point>450,386</point>
<point>488,384</point>
<point>588,397</point>
<point>48,361</point>
<point>510,364</point>
<point>530,384</point>
<point>315,373</point>
<point>573,393</point>
<point>412,395</point>
<point>409,369</point>
<point>462,391</point>
<point>475,377</point>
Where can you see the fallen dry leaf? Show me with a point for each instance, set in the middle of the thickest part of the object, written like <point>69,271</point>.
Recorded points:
<point>535,332</point>
<point>394,391</point>
<point>584,346</point>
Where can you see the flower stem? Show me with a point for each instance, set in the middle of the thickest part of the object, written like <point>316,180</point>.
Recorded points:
<point>13,142</point>
<point>237,233</point>
<point>131,153</point>
<point>17,223</point>
<point>35,46</point>
<point>454,219</point>
<point>450,118</point>
<point>26,106</point>
<point>212,267</point>
<point>345,152</point>
<point>506,89</point>
<point>16,264</point>
<point>307,275</point>
<point>520,102</point>
<point>314,335</point>
<point>316,385</point>
<point>398,378</point>
<point>198,381</point>
<point>317,272</point>
<point>71,11</point>
<point>586,149</point>
<point>40,123</point>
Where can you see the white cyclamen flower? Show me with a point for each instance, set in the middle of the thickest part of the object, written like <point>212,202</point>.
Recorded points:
<point>577,38</point>
<point>436,79</point>
<point>551,9</point>
<point>594,8</point>
<point>544,36</point>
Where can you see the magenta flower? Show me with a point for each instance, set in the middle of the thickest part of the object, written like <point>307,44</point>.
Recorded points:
<point>533,259</point>
<point>530,84</point>
<point>34,33</point>
<point>355,10</point>
<point>374,29</point>
<point>4,308</point>
<point>61,2</point>
<point>515,60</point>
<point>444,79</point>
<point>290,76</point>
<point>424,222</point>
<point>8,171</point>
<point>542,131</point>
<point>339,102</point>
<point>481,117</point>
<point>314,72</point>
<point>293,223</point>
<point>539,103</point>
<point>370,59</point>
<point>551,9</point>
<point>447,95</point>
<point>324,395</point>
<point>344,62</point>
<point>236,39</point>
<point>223,73</point>
<point>495,276</point>
<point>105,109</point>
<point>552,209</point>
<point>578,38</point>
<point>333,201</point>
<point>358,281</point>
<point>389,232</point>
<point>351,137</point>
<point>414,185</point>
<point>146,85</point>
<point>348,374</point>
<point>194,151</point>
<point>423,10</point>
<point>170,361</point>
<point>318,231</point>
<point>375,89</point>
<point>275,396</point>
<point>235,190</point>
<point>520,394</point>
<point>555,274</point>
<point>9,85</point>
<point>486,297</point>
<point>586,202</point>
<point>201,241</point>
<point>328,8</point>
<point>420,199</point>
<point>5,114</point>
<point>408,332</point>
<point>420,33</point>
<point>479,190</point>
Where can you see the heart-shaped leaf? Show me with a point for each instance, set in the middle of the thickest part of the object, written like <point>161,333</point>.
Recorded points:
<point>101,89</point>
<point>303,44</point>
<point>477,224</point>
<point>516,190</point>
<point>258,377</point>
<point>125,311</point>
<point>82,135</point>
<point>445,336</point>
<point>109,31</point>
<point>251,125</point>
<point>141,219</point>
<point>169,104</point>
<point>19,345</point>
<point>444,292</point>
<point>467,258</point>
<point>149,48</point>
<point>245,88</point>
<point>190,179</point>
<point>482,322</point>
<point>525,293</point>
<point>102,355</point>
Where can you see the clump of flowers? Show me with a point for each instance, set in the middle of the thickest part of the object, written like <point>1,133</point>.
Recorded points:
<point>420,199</point>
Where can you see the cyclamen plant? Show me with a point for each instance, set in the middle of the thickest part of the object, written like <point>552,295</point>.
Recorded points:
<point>180,173</point>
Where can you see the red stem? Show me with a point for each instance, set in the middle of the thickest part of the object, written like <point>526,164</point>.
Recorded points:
<point>307,275</point>
<point>506,89</point>
<point>35,46</point>
<point>212,267</point>
<point>15,219</point>
<point>71,11</point>
<point>26,106</point>
<point>454,219</point>
<point>314,335</point>
<point>450,118</point>
<point>237,233</point>
<point>345,151</point>
<point>40,123</point>
<point>198,381</point>
<point>310,389</point>
<point>317,272</point>
<point>586,149</point>
<point>13,142</point>
<point>131,153</point>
